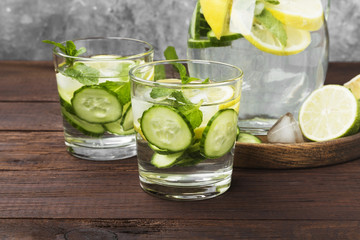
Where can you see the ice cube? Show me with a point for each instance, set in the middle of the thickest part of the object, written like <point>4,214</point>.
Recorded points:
<point>285,130</point>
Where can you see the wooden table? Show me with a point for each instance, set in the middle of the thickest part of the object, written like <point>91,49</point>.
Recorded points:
<point>45,192</point>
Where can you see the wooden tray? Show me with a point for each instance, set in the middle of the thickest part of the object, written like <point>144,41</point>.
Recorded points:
<point>299,155</point>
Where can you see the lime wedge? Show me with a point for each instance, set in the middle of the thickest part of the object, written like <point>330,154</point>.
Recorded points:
<point>328,113</point>
<point>354,86</point>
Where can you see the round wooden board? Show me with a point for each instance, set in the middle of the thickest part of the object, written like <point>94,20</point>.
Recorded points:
<point>299,155</point>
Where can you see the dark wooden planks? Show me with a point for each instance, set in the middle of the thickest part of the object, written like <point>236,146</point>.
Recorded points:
<point>39,179</point>
<point>341,72</point>
<point>44,229</point>
<point>30,116</point>
<point>27,81</point>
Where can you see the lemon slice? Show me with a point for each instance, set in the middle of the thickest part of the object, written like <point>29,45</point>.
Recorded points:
<point>216,13</point>
<point>329,113</point>
<point>354,86</point>
<point>108,68</point>
<point>217,95</point>
<point>302,14</point>
<point>261,38</point>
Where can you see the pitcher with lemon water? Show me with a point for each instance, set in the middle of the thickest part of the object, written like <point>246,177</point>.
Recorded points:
<point>281,45</point>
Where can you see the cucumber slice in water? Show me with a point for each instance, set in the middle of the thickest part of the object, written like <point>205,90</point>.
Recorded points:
<point>224,38</point>
<point>90,129</point>
<point>206,43</point>
<point>127,121</point>
<point>165,161</point>
<point>166,128</point>
<point>219,135</point>
<point>116,128</point>
<point>96,104</point>
<point>247,138</point>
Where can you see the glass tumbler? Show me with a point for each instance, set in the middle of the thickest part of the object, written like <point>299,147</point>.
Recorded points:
<point>185,116</point>
<point>94,91</point>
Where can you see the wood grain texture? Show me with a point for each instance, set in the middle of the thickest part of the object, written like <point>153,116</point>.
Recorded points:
<point>127,229</point>
<point>27,81</point>
<point>40,180</point>
<point>299,155</point>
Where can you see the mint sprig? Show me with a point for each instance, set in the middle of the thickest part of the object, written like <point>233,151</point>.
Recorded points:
<point>177,100</point>
<point>170,54</point>
<point>267,20</point>
<point>69,49</point>
<point>84,74</point>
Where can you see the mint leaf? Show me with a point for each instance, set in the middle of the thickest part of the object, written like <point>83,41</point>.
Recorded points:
<point>192,114</point>
<point>170,53</point>
<point>83,73</point>
<point>275,2</point>
<point>267,20</point>
<point>180,98</point>
<point>160,92</point>
<point>206,81</point>
<point>159,72</point>
<point>59,45</point>
<point>69,49</point>
<point>121,89</point>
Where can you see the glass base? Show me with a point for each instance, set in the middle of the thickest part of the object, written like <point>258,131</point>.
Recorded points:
<point>102,154</point>
<point>186,193</point>
<point>256,126</point>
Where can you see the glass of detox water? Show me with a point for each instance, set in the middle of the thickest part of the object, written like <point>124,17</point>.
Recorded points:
<point>282,46</point>
<point>185,116</point>
<point>93,84</point>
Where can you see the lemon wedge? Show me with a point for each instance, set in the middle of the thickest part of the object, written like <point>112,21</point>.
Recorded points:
<point>216,13</point>
<point>354,86</point>
<point>302,14</point>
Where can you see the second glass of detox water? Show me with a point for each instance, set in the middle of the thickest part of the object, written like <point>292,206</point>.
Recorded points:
<point>185,116</point>
<point>94,92</point>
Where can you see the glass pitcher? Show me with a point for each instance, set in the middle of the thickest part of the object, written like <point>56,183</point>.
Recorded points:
<point>273,85</point>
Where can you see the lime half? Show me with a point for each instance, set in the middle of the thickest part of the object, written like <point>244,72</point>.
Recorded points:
<point>328,113</point>
<point>354,86</point>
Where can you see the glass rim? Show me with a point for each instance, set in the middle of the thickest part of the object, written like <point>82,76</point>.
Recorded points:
<point>57,51</point>
<point>188,85</point>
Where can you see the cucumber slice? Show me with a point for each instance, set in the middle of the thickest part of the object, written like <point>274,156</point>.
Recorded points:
<point>96,104</point>
<point>66,105</point>
<point>116,128</point>
<point>198,27</point>
<point>224,38</point>
<point>219,135</point>
<point>191,156</point>
<point>206,43</point>
<point>161,151</point>
<point>127,121</point>
<point>90,129</point>
<point>247,138</point>
<point>166,128</point>
<point>165,161</point>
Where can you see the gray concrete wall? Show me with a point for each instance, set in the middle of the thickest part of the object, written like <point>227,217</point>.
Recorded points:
<point>24,23</point>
